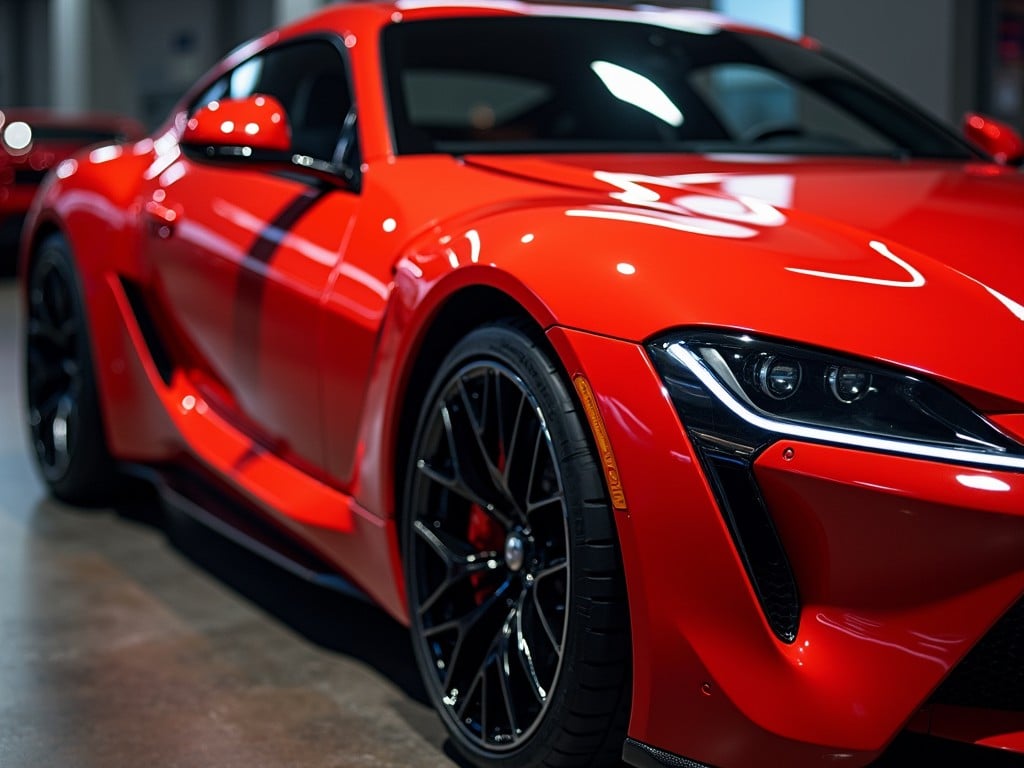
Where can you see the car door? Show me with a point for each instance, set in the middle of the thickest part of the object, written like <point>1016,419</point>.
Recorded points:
<point>242,251</point>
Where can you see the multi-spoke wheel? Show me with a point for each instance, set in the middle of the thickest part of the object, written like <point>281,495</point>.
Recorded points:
<point>513,576</point>
<point>63,411</point>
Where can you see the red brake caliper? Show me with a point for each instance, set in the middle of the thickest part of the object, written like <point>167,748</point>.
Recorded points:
<point>486,535</point>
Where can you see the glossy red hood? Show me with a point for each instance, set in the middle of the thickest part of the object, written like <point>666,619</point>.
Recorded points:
<point>969,216</point>
<point>920,263</point>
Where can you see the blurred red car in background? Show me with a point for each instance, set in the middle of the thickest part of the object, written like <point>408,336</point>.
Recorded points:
<point>34,140</point>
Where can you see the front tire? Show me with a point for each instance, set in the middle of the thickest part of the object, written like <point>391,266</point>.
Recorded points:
<point>516,595</point>
<point>63,408</point>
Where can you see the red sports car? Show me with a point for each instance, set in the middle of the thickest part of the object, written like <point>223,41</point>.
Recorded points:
<point>664,375</point>
<point>32,141</point>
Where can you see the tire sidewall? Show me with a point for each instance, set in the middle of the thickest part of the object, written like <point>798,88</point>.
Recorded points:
<point>85,477</point>
<point>510,347</point>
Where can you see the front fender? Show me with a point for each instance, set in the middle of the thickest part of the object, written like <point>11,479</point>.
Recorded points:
<point>92,198</point>
<point>630,273</point>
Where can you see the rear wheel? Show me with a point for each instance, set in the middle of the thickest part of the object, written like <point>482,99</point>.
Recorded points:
<point>513,573</point>
<point>63,408</point>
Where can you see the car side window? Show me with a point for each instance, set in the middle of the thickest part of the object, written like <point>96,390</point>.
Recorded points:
<point>310,80</point>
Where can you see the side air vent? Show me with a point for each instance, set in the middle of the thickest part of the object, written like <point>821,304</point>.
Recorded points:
<point>150,333</point>
<point>759,545</point>
<point>727,448</point>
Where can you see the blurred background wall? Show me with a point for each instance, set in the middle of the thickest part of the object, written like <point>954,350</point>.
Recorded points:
<point>138,56</point>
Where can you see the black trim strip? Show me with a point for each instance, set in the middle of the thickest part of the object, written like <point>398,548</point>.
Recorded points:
<point>158,351</point>
<point>252,278</point>
<point>190,494</point>
<point>642,755</point>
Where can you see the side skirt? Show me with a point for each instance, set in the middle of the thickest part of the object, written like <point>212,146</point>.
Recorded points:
<point>188,493</point>
<point>641,755</point>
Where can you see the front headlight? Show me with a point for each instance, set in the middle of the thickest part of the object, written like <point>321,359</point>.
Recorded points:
<point>761,390</point>
<point>736,395</point>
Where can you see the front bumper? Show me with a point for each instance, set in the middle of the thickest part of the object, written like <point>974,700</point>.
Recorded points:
<point>902,565</point>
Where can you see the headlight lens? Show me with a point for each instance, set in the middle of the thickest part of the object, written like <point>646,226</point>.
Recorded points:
<point>733,387</point>
<point>736,395</point>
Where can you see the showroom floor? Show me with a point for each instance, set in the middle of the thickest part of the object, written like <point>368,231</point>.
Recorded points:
<point>128,638</point>
<point>132,637</point>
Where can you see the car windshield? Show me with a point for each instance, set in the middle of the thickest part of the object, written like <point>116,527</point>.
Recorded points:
<point>550,84</point>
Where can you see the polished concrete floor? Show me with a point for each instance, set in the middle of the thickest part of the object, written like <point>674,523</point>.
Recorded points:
<point>129,637</point>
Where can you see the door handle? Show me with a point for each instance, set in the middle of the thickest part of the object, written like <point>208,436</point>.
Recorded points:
<point>162,220</point>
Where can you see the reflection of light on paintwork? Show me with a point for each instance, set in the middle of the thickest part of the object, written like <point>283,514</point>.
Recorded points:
<point>167,152</point>
<point>67,169</point>
<point>474,245</point>
<point>916,278</point>
<point>631,185</point>
<point>172,174</point>
<point>364,278</point>
<point>864,629</point>
<point>205,238</point>
<point>1014,307</point>
<point>983,482</point>
<point>639,189</point>
<point>773,188</point>
<point>687,179</point>
<point>625,269</point>
<point>165,143</point>
<point>105,154</point>
<point>696,21</point>
<point>309,249</point>
<point>472,237</point>
<point>389,225</point>
<point>745,210</point>
<point>620,413</point>
<point>760,192</point>
<point>637,90</point>
<point>678,222</point>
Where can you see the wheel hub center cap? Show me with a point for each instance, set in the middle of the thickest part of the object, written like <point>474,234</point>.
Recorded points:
<point>515,552</point>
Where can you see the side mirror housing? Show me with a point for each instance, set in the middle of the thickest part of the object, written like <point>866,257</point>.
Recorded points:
<point>255,125</point>
<point>994,137</point>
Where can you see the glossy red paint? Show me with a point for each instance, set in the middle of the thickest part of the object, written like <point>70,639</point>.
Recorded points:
<point>258,122</point>
<point>301,310</point>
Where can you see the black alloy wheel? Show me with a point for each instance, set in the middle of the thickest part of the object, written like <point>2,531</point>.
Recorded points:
<point>63,409</point>
<point>513,575</point>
